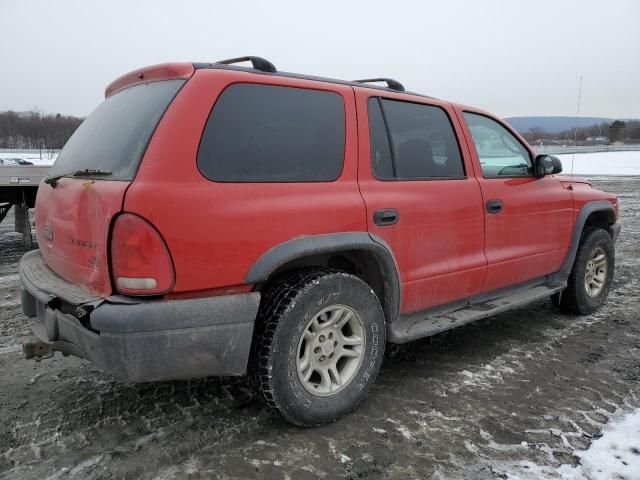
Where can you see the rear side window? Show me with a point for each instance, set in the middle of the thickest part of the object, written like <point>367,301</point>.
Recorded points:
<point>411,141</point>
<point>115,136</point>
<point>267,133</point>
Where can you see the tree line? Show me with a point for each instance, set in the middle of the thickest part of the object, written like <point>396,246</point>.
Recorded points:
<point>35,130</point>
<point>617,131</point>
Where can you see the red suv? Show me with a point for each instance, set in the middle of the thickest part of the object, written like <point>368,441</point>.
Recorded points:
<point>215,219</point>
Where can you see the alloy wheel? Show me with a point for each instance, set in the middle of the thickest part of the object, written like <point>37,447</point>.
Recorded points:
<point>330,350</point>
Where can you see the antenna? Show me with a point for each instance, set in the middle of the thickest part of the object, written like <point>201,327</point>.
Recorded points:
<point>575,130</point>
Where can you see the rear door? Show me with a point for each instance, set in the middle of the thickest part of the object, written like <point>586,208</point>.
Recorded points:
<point>74,212</point>
<point>421,195</point>
<point>528,219</point>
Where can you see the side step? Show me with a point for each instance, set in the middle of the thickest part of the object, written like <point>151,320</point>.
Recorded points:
<point>424,324</point>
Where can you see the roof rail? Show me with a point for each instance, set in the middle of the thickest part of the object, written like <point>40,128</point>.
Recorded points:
<point>258,63</point>
<point>391,83</point>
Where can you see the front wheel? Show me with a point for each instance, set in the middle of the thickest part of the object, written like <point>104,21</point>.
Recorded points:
<point>591,276</point>
<point>318,345</point>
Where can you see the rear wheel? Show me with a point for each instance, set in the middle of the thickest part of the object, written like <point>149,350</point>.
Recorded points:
<point>318,345</point>
<point>591,276</point>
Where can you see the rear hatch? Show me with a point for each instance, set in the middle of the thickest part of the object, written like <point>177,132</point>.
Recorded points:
<point>85,187</point>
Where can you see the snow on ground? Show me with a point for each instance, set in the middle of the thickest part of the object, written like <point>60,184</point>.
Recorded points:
<point>46,157</point>
<point>602,163</point>
<point>615,455</point>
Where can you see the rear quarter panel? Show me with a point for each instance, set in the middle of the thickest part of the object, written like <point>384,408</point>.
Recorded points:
<point>216,231</point>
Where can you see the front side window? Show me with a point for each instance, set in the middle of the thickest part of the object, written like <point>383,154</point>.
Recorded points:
<point>411,141</point>
<point>500,153</point>
<point>267,133</point>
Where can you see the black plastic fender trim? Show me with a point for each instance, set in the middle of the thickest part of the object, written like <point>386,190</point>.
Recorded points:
<point>595,206</point>
<point>298,248</point>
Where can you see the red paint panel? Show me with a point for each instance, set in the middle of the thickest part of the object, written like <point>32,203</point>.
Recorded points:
<point>164,71</point>
<point>583,192</point>
<point>216,231</point>
<point>72,228</point>
<point>530,237</point>
<point>439,239</point>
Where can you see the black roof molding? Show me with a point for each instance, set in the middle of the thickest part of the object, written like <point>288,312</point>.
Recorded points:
<point>258,63</point>
<point>391,83</point>
<point>230,65</point>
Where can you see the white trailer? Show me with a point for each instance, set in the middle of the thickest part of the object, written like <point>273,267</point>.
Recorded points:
<point>18,188</point>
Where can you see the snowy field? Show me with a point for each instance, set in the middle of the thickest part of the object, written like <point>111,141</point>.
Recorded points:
<point>36,157</point>
<point>602,163</point>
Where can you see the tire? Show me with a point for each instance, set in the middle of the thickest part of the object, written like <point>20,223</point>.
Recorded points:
<point>289,341</point>
<point>577,298</point>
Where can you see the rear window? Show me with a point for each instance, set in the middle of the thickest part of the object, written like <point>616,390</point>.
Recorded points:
<point>115,136</point>
<point>267,133</point>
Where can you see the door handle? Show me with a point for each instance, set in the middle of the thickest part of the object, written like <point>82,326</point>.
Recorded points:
<point>494,206</point>
<point>386,217</point>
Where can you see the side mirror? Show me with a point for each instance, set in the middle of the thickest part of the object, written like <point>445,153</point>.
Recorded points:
<point>547,165</point>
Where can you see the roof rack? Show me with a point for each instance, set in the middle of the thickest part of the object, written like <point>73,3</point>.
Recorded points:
<point>391,83</point>
<point>258,63</point>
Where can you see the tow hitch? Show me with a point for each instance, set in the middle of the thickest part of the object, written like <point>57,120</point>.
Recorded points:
<point>34,348</point>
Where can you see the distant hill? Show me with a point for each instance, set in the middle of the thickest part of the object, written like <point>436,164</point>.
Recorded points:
<point>553,124</point>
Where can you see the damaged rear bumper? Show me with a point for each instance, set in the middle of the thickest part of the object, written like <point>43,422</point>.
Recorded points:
<point>139,340</point>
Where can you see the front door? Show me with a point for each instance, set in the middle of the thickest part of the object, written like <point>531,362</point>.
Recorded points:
<point>528,219</point>
<point>421,196</point>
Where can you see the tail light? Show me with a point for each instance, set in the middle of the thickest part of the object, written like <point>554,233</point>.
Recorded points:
<point>140,260</point>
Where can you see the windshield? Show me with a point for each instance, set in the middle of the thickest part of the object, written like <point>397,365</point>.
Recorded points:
<point>115,136</point>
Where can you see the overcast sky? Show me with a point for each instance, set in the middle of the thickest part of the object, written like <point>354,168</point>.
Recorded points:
<point>509,57</point>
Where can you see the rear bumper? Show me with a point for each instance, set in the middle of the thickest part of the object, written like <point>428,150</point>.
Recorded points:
<point>139,340</point>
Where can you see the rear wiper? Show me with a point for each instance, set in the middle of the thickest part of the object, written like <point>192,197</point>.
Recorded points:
<point>87,172</point>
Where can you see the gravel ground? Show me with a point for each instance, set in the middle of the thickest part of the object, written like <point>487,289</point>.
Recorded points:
<point>516,396</point>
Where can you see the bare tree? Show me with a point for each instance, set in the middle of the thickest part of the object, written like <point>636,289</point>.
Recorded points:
<point>34,130</point>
